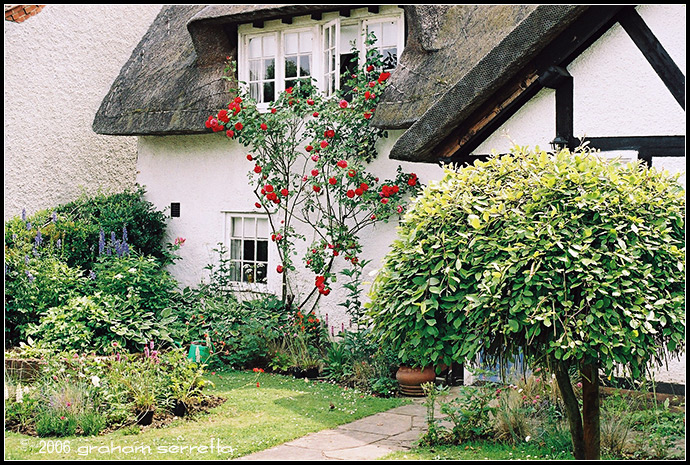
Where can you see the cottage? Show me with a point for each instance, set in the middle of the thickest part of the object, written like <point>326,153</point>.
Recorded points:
<point>466,80</point>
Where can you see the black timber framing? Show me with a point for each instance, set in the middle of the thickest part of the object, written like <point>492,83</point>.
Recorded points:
<point>654,52</point>
<point>560,53</point>
<point>646,146</point>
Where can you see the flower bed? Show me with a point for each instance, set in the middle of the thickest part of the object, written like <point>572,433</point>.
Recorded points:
<point>87,395</point>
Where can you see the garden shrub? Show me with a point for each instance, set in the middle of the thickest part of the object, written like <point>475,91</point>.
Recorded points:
<point>57,260</point>
<point>145,226</point>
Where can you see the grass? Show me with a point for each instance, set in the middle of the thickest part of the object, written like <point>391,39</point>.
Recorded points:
<point>481,450</point>
<point>252,419</point>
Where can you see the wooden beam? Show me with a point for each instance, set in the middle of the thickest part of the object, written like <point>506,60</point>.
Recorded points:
<point>474,131</point>
<point>345,12</point>
<point>259,23</point>
<point>654,52</point>
<point>286,20</point>
<point>657,146</point>
<point>317,16</point>
<point>373,9</point>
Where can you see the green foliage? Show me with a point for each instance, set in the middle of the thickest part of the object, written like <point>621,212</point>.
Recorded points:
<point>564,257</point>
<point>111,213</point>
<point>472,413</point>
<point>49,255</point>
<point>126,302</point>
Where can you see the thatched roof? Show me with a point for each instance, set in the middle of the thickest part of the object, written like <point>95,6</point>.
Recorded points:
<point>455,58</point>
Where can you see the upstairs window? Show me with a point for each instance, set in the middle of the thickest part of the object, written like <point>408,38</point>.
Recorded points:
<point>277,56</point>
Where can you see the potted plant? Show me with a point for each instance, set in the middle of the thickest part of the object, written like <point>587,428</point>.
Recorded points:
<point>144,404</point>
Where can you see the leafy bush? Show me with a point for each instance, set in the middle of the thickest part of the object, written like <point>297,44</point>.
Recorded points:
<point>145,226</point>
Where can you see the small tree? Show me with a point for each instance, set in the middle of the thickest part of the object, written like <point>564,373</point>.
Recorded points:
<point>575,262</point>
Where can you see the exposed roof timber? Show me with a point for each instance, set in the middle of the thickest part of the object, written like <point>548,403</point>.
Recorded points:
<point>488,117</point>
<point>654,52</point>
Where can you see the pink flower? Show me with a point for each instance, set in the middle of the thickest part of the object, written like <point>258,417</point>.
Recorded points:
<point>180,242</point>
<point>343,104</point>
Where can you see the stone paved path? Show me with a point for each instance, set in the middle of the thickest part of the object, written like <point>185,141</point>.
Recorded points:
<point>368,438</point>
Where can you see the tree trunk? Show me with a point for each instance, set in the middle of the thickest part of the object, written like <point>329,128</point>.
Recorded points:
<point>590,411</point>
<point>572,409</point>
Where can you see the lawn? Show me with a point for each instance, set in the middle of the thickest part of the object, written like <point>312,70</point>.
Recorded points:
<point>253,418</point>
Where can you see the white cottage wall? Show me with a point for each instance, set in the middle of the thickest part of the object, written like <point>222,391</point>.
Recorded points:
<point>208,175</point>
<point>59,64</point>
<point>616,93</point>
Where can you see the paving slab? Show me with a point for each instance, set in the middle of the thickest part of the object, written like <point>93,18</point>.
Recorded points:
<point>368,438</point>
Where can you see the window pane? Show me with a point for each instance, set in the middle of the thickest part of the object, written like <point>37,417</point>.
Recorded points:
<point>305,65</point>
<point>236,249</point>
<point>236,227</point>
<point>291,43</point>
<point>248,249</point>
<point>261,273</point>
<point>305,42</point>
<point>255,70</point>
<point>262,251</point>
<point>347,35</point>
<point>249,227</point>
<point>248,273</point>
<point>269,68</point>
<point>255,47</point>
<point>254,91</point>
<point>390,57</point>
<point>235,271</point>
<point>269,46</point>
<point>262,228</point>
<point>269,92</point>
<point>291,67</point>
<point>389,34</point>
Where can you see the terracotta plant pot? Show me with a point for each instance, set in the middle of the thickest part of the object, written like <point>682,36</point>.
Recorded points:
<point>411,379</point>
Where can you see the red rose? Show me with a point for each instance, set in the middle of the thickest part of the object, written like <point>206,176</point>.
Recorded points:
<point>288,90</point>
<point>279,268</point>
<point>238,100</point>
<point>384,200</point>
<point>238,126</point>
<point>332,181</point>
<point>310,101</point>
<point>230,133</point>
<point>269,188</point>
<point>330,133</point>
<point>342,164</point>
<point>359,191</point>
<point>273,110</point>
<point>368,95</point>
<point>316,189</point>
<point>257,169</point>
<point>263,126</point>
<point>314,172</point>
<point>249,157</point>
<point>324,144</point>
<point>372,84</point>
<point>350,193</point>
<point>343,104</point>
<point>370,68</point>
<point>223,116</point>
<point>367,115</point>
<point>284,192</point>
<point>383,76</point>
<point>364,186</point>
<point>352,173</point>
<point>257,205</point>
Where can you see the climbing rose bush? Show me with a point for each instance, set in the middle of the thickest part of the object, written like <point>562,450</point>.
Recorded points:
<point>308,159</point>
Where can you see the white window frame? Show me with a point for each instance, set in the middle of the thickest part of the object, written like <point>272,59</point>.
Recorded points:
<point>228,217</point>
<point>359,17</point>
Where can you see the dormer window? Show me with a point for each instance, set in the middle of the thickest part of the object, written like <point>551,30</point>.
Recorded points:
<point>277,56</point>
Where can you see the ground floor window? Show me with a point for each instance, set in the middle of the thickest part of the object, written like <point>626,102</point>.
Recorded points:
<point>246,237</point>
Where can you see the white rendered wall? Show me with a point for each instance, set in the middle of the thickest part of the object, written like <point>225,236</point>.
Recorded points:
<point>59,64</point>
<point>207,175</point>
<point>616,93</point>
